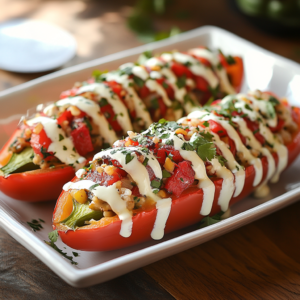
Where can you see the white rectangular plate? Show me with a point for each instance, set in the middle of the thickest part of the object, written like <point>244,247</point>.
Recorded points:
<point>263,70</point>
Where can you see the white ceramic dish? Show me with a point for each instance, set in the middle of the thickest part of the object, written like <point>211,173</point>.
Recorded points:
<point>263,70</point>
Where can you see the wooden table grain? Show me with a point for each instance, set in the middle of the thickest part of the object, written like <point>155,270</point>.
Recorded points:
<point>257,261</point>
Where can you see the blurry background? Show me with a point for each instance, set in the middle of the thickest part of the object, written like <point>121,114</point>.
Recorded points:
<point>103,27</point>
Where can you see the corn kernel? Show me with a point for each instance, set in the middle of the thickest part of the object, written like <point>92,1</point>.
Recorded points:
<point>169,165</point>
<point>75,111</point>
<point>128,143</point>
<point>80,196</point>
<point>180,131</point>
<point>155,68</point>
<point>155,140</point>
<point>110,170</point>
<point>162,194</point>
<point>28,132</point>
<point>118,184</point>
<point>38,128</point>
<point>100,170</point>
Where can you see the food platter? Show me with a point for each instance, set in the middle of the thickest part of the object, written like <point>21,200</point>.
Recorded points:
<point>263,70</point>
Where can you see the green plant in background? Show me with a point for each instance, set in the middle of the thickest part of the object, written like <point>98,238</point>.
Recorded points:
<point>285,12</point>
<point>141,20</point>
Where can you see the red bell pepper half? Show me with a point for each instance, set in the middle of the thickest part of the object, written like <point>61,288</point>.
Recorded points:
<point>36,185</point>
<point>184,210</point>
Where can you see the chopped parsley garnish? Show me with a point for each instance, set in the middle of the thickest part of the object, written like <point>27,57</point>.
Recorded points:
<point>53,239</point>
<point>88,124</point>
<point>61,137</point>
<point>181,82</point>
<point>221,160</point>
<point>128,158</point>
<point>154,103</point>
<point>181,179</point>
<point>156,183</point>
<point>206,124</point>
<point>145,162</point>
<point>94,186</point>
<point>138,81</point>
<point>211,220</point>
<point>165,85</point>
<point>273,100</point>
<point>247,106</point>
<point>166,174</point>
<point>65,148</point>
<point>103,102</point>
<point>35,224</point>
<point>44,152</point>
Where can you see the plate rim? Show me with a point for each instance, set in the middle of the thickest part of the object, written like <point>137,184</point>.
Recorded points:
<point>86,277</point>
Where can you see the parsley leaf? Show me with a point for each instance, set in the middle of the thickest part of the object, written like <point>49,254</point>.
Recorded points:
<point>181,82</point>
<point>138,81</point>
<point>206,151</point>
<point>207,221</point>
<point>166,174</point>
<point>53,235</point>
<point>145,162</point>
<point>156,183</point>
<point>128,158</point>
<point>61,137</point>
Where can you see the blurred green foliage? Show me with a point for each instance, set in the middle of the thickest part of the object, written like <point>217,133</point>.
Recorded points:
<point>141,21</point>
<point>286,12</point>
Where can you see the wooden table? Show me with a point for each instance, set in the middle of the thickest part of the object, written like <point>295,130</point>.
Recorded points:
<point>258,261</point>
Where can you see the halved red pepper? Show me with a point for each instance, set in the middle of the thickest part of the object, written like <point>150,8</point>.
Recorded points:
<point>33,186</point>
<point>184,212</point>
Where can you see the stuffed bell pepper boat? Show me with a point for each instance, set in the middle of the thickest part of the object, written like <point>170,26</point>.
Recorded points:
<point>48,147</point>
<point>175,173</point>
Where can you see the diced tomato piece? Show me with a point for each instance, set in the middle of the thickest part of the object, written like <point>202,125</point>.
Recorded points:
<point>135,191</point>
<point>161,155</point>
<point>82,139</point>
<point>162,108</point>
<point>201,84</point>
<point>217,128</point>
<point>181,70</point>
<point>182,179</point>
<point>68,93</point>
<point>65,116</point>
<point>117,89</point>
<point>254,127</point>
<point>144,92</point>
<point>109,114</point>
<point>176,157</point>
<point>40,143</point>
<point>167,87</point>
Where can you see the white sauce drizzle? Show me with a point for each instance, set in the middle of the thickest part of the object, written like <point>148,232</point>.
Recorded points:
<point>200,173</point>
<point>227,185</point>
<point>140,108</point>
<point>256,162</point>
<point>92,109</point>
<point>232,164</point>
<point>67,156</point>
<point>119,108</point>
<point>135,168</point>
<point>214,60</point>
<point>163,207</point>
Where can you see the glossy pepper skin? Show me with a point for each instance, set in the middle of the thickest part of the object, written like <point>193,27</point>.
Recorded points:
<point>184,212</point>
<point>33,186</point>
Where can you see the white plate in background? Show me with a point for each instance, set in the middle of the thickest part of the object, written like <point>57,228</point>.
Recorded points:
<point>263,70</point>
